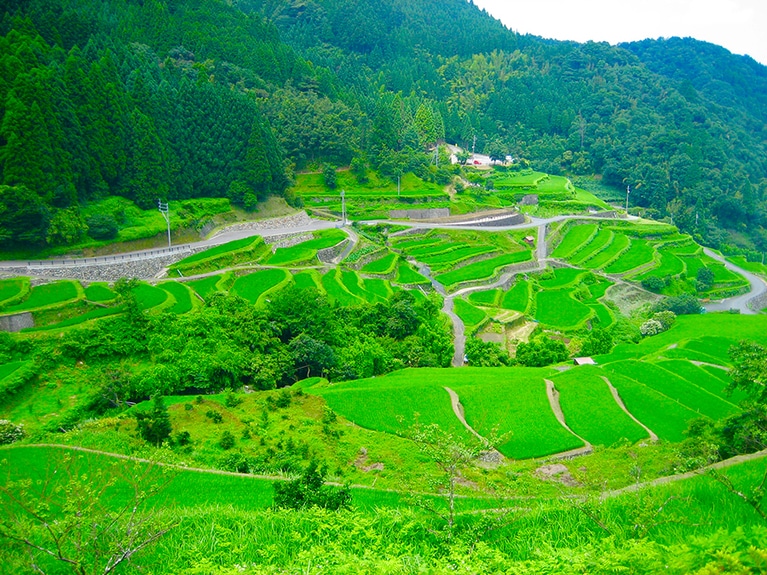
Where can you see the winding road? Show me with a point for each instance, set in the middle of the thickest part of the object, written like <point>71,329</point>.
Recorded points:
<point>742,303</point>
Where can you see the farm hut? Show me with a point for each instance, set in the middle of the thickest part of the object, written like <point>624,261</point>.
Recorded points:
<point>529,240</point>
<point>584,361</point>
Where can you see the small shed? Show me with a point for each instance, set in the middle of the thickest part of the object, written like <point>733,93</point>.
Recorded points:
<point>584,361</point>
<point>530,240</point>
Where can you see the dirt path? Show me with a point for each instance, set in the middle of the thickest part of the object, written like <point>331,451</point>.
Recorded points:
<point>619,401</point>
<point>455,401</point>
<point>553,395</point>
<point>682,476</point>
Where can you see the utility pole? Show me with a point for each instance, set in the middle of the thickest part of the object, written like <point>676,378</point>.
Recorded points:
<point>163,207</point>
<point>343,208</point>
<point>474,144</point>
<point>398,184</point>
<point>628,191</point>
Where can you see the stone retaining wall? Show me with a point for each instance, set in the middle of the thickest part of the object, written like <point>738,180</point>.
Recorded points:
<point>428,214</point>
<point>758,303</point>
<point>327,255</point>
<point>16,322</point>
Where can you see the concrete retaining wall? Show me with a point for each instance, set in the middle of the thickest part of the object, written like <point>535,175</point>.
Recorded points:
<point>429,214</point>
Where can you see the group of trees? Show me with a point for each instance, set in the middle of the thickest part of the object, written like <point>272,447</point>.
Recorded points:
<point>229,343</point>
<point>151,100</point>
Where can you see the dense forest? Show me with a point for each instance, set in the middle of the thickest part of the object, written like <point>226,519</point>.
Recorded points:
<point>187,98</point>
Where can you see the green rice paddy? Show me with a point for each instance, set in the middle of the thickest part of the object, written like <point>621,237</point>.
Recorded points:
<point>206,286</point>
<point>99,292</point>
<point>640,253</point>
<point>381,266</point>
<point>471,316</point>
<point>46,295</point>
<point>181,294</point>
<point>253,286</point>
<point>557,308</point>
<point>306,251</point>
<point>576,237</point>
<point>12,288</point>
<point>482,269</point>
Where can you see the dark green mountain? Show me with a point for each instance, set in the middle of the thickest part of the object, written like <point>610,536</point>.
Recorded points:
<point>190,98</point>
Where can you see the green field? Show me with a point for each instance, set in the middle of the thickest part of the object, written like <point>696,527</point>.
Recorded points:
<point>640,253</point>
<point>406,275</point>
<point>218,250</point>
<point>487,298</point>
<point>382,266</point>
<point>45,295</point>
<point>149,296</point>
<point>576,237</point>
<point>557,308</point>
<point>561,277</point>
<point>517,298</point>
<point>12,288</point>
<point>618,245</point>
<point>206,286</point>
<point>454,256</point>
<point>591,411</point>
<point>596,245</point>
<point>482,269</point>
<point>471,316</point>
<point>337,292</point>
<point>253,286</point>
<point>307,279</point>
<point>312,185</point>
<point>99,292</point>
<point>181,294</point>
<point>307,251</point>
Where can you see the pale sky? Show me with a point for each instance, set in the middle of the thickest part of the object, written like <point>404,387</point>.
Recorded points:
<point>738,25</point>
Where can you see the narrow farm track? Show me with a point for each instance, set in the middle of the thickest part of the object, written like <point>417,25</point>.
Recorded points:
<point>742,303</point>
<point>455,402</point>
<point>619,401</point>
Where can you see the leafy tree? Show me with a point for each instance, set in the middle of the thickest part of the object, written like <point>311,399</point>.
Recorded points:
<point>66,227</point>
<point>154,426</point>
<point>541,351</point>
<point>749,371</point>
<point>598,342</point>
<point>485,353</point>
<point>329,176</point>
<point>102,226</point>
<point>653,284</point>
<point>311,355</point>
<point>309,490</point>
<point>680,305</point>
<point>704,279</point>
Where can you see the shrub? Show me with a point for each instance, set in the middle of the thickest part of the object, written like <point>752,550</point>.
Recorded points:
<point>651,327</point>
<point>227,440</point>
<point>598,342</point>
<point>102,227</point>
<point>154,426</point>
<point>10,432</point>
<point>232,400</point>
<point>653,284</point>
<point>541,352</point>
<point>329,176</point>
<point>309,490</point>
<point>666,318</point>
<point>680,305</point>
<point>214,416</point>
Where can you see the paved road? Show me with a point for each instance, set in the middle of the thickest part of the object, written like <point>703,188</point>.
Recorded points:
<point>741,302</point>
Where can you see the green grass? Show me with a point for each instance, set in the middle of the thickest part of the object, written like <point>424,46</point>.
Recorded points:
<point>218,250</point>
<point>47,295</point>
<point>429,250</point>
<point>715,383</point>
<point>181,294</point>
<point>470,315</point>
<point>99,292</point>
<point>557,308</point>
<point>253,286</point>
<point>381,266</point>
<point>12,288</point>
<point>206,286</point>
<point>598,242</point>
<point>640,252</point>
<point>406,275</point>
<point>306,251</point>
<point>590,410</point>
<point>517,298</point>
<point>670,265</point>
<point>619,244</point>
<point>377,287</point>
<point>574,239</point>
<point>356,286</point>
<point>96,313</point>
<point>406,243</point>
<point>482,269</point>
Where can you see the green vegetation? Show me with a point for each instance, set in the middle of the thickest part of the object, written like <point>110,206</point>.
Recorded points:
<point>482,269</point>
<point>471,316</point>
<point>557,308</point>
<point>307,251</point>
<point>181,294</point>
<point>253,287</point>
<point>12,289</point>
<point>46,295</point>
<point>99,292</point>
<point>381,266</point>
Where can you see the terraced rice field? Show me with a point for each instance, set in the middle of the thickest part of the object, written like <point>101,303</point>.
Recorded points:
<point>482,269</point>
<point>307,251</point>
<point>252,286</point>
<point>471,316</point>
<point>562,277</point>
<point>641,252</point>
<point>598,242</point>
<point>487,298</point>
<point>307,279</point>
<point>12,288</point>
<point>409,242</point>
<point>590,409</point>
<point>99,292</point>
<point>334,287</point>
<point>181,294</point>
<point>379,288</point>
<point>514,401</point>
<point>218,250</point>
<point>517,298</point>
<point>149,296</point>
<point>618,245</point>
<point>206,286</point>
<point>575,238</point>
<point>406,275</point>
<point>355,286</point>
<point>452,257</point>
<point>47,295</point>
<point>433,249</point>
<point>670,265</point>
<point>382,266</point>
<point>557,308</point>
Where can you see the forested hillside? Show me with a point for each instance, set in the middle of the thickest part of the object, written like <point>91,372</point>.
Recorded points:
<point>190,98</point>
